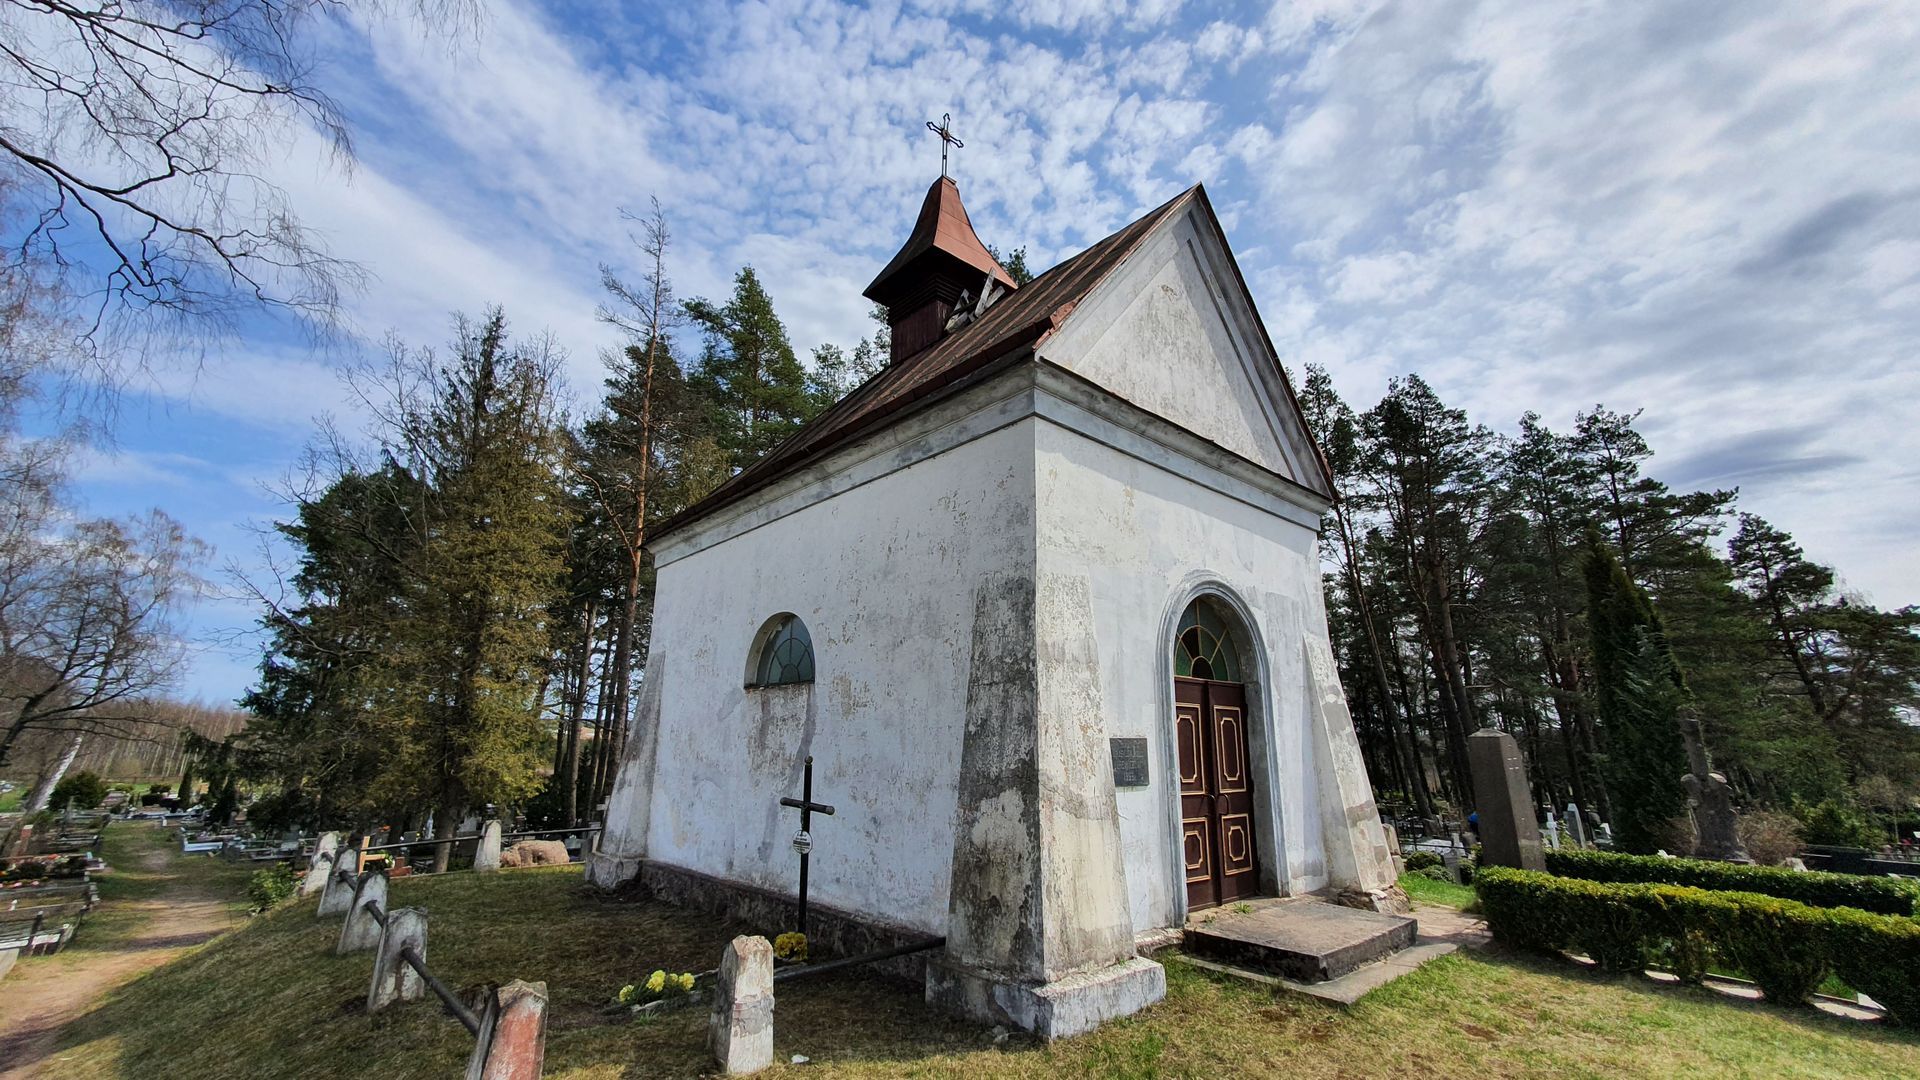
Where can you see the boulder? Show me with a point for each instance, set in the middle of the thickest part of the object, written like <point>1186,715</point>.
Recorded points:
<point>535,853</point>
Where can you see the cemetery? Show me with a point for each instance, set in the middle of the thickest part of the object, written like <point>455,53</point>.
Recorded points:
<point>1131,539</point>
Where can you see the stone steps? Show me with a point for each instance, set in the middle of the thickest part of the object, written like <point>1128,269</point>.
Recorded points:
<point>1302,940</point>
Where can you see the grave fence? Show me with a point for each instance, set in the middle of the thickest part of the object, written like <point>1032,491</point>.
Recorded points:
<point>509,1026</point>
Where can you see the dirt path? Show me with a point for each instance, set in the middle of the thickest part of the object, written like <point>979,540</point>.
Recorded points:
<point>43,995</point>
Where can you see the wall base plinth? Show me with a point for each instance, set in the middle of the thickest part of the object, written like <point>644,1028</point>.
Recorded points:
<point>1072,1005</point>
<point>611,871</point>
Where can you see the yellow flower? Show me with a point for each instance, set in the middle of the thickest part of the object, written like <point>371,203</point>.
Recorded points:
<point>656,982</point>
<point>684,981</point>
<point>626,994</point>
<point>790,946</point>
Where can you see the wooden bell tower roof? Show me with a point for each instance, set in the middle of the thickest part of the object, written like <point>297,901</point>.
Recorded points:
<point>942,245</point>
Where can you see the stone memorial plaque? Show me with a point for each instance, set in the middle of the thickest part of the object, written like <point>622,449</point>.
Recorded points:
<point>1129,762</point>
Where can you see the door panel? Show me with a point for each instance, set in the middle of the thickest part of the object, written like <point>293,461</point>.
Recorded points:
<point>1218,845</point>
<point>1196,799</point>
<point>1237,869</point>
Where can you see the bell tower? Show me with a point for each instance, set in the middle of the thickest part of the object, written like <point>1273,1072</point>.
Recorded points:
<point>941,259</point>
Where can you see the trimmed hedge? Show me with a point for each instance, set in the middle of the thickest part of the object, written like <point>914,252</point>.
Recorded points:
<point>1884,895</point>
<point>1787,948</point>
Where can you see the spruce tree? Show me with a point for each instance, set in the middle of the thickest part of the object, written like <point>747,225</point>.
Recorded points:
<point>475,645</point>
<point>1640,693</point>
<point>756,387</point>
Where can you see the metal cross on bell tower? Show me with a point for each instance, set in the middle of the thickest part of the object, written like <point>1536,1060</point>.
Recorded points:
<point>944,129</point>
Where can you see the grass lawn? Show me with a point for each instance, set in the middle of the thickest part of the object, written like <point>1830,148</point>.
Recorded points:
<point>1428,891</point>
<point>269,1000</point>
<point>11,800</point>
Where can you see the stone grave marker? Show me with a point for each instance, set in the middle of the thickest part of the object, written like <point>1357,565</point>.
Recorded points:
<point>1508,834</point>
<point>361,930</point>
<point>486,856</point>
<point>337,896</point>
<point>325,851</point>
<point>740,1030</point>
<point>393,978</point>
<point>513,1034</point>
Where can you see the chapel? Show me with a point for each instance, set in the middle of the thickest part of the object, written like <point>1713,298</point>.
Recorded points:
<point>1042,602</point>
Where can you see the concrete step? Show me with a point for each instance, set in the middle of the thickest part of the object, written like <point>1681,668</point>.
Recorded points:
<point>1306,941</point>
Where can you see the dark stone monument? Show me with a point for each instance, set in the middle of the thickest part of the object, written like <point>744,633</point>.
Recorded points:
<point>1714,820</point>
<point>1508,834</point>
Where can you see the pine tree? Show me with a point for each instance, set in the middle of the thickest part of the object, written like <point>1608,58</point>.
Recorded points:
<point>1639,690</point>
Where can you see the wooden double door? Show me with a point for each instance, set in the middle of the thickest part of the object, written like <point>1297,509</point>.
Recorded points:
<point>1216,792</point>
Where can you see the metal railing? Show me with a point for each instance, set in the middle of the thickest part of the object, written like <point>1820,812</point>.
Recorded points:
<point>451,1001</point>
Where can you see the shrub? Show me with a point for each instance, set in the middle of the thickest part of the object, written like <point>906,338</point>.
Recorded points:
<point>1779,944</point>
<point>269,888</point>
<point>1835,824</point>
<point>1884,895</point>
<point>1879,955</point>
<point>1435,873</point>
<point>1785,947</point>
<point>1420,860</point>
<point>1769,837</point>
<point>85,789</point>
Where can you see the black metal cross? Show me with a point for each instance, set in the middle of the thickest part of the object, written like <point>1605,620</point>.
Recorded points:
<point>803,840</point>
<point>944,129</point>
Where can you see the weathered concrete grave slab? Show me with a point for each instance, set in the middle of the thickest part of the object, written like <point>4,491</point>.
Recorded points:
<point>320,865</point>
<point>486,856</point>
<point>740,1031</point>
<point>337,896</point>
<point>360,930</point>
<point>512,1044</point>
<point>393,978</point>
<point>1304,940</point>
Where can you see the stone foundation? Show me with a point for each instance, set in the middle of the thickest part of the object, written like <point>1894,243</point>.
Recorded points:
<point>611,871</point>
<point>830,932</point>
<point>1072,1005</point>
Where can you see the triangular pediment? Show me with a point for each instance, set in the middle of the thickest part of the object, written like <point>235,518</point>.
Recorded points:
<point>1173,331</point>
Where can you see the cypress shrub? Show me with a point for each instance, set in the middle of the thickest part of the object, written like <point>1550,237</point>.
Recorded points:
<point>1883,895</point>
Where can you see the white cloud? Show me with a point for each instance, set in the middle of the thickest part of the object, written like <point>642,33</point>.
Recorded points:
<point>1706,211</point>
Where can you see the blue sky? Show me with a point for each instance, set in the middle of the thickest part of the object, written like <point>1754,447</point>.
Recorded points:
<point>1711,212</point>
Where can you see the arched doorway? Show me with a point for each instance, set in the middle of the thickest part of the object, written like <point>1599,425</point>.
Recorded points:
<point>1216,777</point>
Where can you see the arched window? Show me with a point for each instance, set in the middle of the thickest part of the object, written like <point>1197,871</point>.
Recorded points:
<point>784,653</point>
<point>1204,649</point>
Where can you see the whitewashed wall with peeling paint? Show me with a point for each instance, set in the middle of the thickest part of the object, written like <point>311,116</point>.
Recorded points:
<point>1103,511</point>
<point>883,576</point>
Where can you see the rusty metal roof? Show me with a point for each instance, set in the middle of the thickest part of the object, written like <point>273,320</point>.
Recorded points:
<point>1006,334</point>
<point>944,228</point>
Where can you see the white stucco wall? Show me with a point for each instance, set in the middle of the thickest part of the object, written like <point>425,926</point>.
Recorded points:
<point>883,575</point>
<point>1171,331</point>
<point>1141,535</point>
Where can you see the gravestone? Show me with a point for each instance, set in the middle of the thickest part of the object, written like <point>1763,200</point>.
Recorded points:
<point>361,930</point>
<point>337,896</point>
<point>512,1044</point>
<point>393,978</point>
<point>1552,834</point>
<point>740,1031</point>
<point>1508,834</point>
<point>1576,825</point>
<point>486,855</point>
<point>325,851</point>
